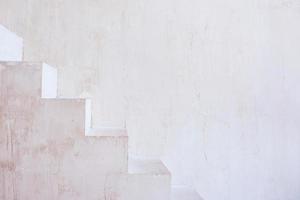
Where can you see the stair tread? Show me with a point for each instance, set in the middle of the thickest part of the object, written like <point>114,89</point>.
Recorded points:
<point>184,193</point>
<point>146,166</point>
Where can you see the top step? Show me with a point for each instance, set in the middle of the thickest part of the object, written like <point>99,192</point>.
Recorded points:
<point>11,45</point>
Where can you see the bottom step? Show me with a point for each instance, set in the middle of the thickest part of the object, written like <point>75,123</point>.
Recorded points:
<point>145,180</point>
<point>184,193</point>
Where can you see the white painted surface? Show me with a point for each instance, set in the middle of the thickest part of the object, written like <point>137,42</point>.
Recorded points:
<point>11,45</point>
<point>210,85</point>
<point>49,81</point>
<point>88,116</point>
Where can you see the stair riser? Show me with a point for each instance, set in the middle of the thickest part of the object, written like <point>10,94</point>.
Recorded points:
<point>28,80</point>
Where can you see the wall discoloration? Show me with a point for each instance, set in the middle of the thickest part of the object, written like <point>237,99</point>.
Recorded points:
<point>44,153</point>
<point>7,165</point>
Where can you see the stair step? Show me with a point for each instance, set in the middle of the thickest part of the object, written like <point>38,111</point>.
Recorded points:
<point>184,193</point>
<point>146,179</point>
<point>146,166</point>
<point>28,79</point>
<point>11,45</point>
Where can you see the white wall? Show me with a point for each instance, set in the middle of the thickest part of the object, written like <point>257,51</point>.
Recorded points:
<point>211,86</point>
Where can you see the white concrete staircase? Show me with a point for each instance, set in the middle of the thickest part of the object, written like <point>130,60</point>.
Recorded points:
<point>48,149</point>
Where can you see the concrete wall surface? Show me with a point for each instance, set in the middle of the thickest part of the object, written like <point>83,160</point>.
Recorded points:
<point>209,86</point>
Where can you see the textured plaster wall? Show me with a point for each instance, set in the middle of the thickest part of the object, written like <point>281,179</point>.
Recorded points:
<point>211,86</point>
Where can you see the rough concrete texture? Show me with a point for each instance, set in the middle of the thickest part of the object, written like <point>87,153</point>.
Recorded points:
<point>11,45</point>
<point>44,153</point>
